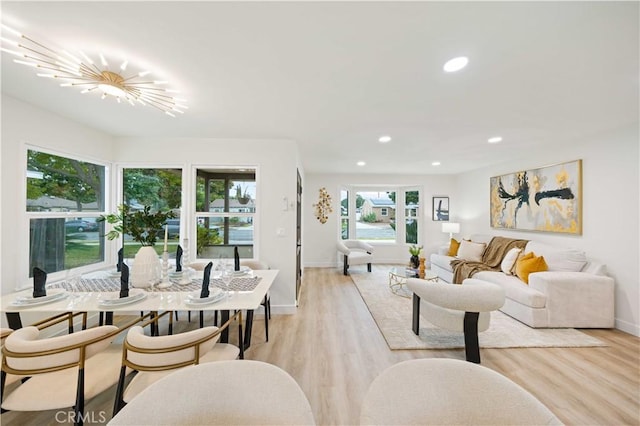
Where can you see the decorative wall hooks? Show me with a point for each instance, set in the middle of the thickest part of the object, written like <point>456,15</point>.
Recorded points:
<point>323,207</point>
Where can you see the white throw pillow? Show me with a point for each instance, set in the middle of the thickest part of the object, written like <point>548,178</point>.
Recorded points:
<point>471,251</point>
<point>509,260</point>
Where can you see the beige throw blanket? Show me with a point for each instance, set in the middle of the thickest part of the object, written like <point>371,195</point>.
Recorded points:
<point>491,258</point>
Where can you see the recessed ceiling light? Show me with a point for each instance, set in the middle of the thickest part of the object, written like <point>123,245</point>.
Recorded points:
<point>495,139</point>
<point>361,163</point>
<point>384,139</point>
<point>435,163</point>
<point>456,64</point>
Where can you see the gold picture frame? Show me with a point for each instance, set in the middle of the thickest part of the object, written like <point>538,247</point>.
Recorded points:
<point>546,199</point>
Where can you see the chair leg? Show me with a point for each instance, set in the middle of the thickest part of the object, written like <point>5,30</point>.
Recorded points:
<point>471,344</point>
<point>119,402</point>
<point>415,320</point>
<point>79,407</point>
<point>368,267</point>
<point>346,264</point>
<point>201,319</point>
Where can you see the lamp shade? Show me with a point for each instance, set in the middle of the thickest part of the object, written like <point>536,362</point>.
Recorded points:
<point>451,227</point>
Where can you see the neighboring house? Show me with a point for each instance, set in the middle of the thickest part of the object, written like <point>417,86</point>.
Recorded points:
<point>55,204</point>
<point>383,208</point>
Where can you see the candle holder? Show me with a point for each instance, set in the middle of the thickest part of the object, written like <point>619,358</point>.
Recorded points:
<point>165,271</point>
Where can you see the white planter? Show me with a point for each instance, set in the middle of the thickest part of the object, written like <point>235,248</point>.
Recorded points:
<point>146,269</point>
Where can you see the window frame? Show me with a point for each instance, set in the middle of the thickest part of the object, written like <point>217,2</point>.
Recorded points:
<point>27,216</point>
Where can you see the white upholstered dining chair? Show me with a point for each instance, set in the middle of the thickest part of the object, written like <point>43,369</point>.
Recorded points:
<point>221,393</point>
<point>438,391</point>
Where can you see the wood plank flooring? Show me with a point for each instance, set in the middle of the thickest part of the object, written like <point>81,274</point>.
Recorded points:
<point>333,349</point>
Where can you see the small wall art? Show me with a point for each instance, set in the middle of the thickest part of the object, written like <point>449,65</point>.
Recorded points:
<point>440,208</point>
<point>547,199</point>
<point>323,206</point>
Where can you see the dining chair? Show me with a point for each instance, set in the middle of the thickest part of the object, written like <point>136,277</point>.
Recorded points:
<point>153,357</point>
<point>221,393</point>
<point>63,371</point>
<point>436,391</point>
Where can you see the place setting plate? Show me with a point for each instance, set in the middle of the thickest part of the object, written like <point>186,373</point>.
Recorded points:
<point>53,295</point>
<point>113,299</point>
<point>194,299</point>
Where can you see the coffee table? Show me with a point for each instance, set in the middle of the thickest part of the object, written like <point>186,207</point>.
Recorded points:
<point>398,280</point>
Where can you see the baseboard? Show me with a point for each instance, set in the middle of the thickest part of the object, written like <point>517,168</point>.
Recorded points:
<point>628,327</point>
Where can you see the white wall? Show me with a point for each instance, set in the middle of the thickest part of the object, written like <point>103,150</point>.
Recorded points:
<point>610,210</point>
<point>276,162</point>
<point>22,124</point>
<point>319,240</point>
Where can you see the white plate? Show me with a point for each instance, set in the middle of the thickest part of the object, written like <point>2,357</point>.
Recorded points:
<point>244,270</point>
<point>113,298</point>
<point>54,295</point>
<point>215,294</point>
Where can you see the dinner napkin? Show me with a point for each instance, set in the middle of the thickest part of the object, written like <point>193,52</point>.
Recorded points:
<point>124,281</point>
<point>179,259</point>
<point>120,260</point>
<point>39,281</point>
<point>236,258</point>
<point>205,281</point>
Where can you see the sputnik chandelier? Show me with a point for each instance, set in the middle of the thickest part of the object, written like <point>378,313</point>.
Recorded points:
<point>116,81</point>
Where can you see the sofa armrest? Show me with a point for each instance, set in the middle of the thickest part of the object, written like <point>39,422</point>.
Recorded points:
<point>576,299</point>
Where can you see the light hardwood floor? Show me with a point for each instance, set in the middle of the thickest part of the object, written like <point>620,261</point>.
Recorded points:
<point>333,349</point>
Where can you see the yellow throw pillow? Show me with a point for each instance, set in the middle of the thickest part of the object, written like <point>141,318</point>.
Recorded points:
<point>453,248</point>
<point>528,265</point>
<point>522,256</point>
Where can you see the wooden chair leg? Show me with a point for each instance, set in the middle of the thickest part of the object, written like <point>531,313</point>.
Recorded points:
<point>415,321</point>
<point>79,407</point>
<point>119,402</point>
<point>368,267</point>
<point>346,264</point>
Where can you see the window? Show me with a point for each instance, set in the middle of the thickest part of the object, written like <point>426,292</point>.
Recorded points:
<point>161,189</point>
<point>377,212</point>
<point>225,212</point>
<point>64,198</point>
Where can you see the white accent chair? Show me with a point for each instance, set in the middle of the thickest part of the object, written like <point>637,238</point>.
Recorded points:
<point>462,307</point>
<point>449,392</point>
<point>64,370</point>
<point>355,252</point>
<point>154,357</point>
<point>221,393</point>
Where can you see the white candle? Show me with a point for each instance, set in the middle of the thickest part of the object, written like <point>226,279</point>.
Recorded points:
<point>166,236</point>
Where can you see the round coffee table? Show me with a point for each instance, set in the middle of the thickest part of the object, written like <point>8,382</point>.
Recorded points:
<point>398,280</point>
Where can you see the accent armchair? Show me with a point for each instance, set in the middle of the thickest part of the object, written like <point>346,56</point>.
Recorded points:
<point>355,252</point>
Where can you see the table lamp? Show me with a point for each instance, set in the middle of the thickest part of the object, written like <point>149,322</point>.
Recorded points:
<point>451,228</point>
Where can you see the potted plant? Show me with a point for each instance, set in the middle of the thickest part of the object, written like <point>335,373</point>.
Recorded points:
<point>243,198</point>
<point>144,226</point>
<point>414,261</point>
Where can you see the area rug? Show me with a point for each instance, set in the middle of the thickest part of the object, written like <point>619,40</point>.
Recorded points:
<point>392,314</point>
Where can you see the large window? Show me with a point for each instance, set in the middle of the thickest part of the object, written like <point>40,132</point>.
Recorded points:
<point>64,197</point>
<point>161,189</point>
<point>225,212</point>
<point>375,213</point>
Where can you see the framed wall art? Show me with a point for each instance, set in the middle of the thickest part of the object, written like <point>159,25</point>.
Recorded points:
<point>547,199</point>
<point>440,208</point>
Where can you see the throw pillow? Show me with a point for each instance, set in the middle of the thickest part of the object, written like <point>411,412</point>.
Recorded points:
<point>528,265</point>
<point>509,260</point>
<point>453,247</point>
<point>471,251</point>
<point>521,256</point>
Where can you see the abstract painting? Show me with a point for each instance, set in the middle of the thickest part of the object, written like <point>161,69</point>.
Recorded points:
<point>440,208</point>
<point>547,199</point>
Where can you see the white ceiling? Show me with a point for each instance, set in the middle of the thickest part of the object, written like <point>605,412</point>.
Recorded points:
<point>334,76</point>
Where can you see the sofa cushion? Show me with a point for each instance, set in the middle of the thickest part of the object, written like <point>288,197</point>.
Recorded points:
<point>442,261</point>
<point>471,251</point>
<point>514,288</point>
<point>529,264</point>
<point>509,260</point>
<point>557,258</point>
<point>454,245</point>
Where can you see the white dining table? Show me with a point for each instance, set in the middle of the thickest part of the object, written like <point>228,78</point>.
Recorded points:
<point>169,299</point>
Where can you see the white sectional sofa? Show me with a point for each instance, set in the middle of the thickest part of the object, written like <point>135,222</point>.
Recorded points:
<point>574,292</point>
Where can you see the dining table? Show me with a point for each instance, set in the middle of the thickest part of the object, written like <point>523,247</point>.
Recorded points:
<point>99,291</point>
